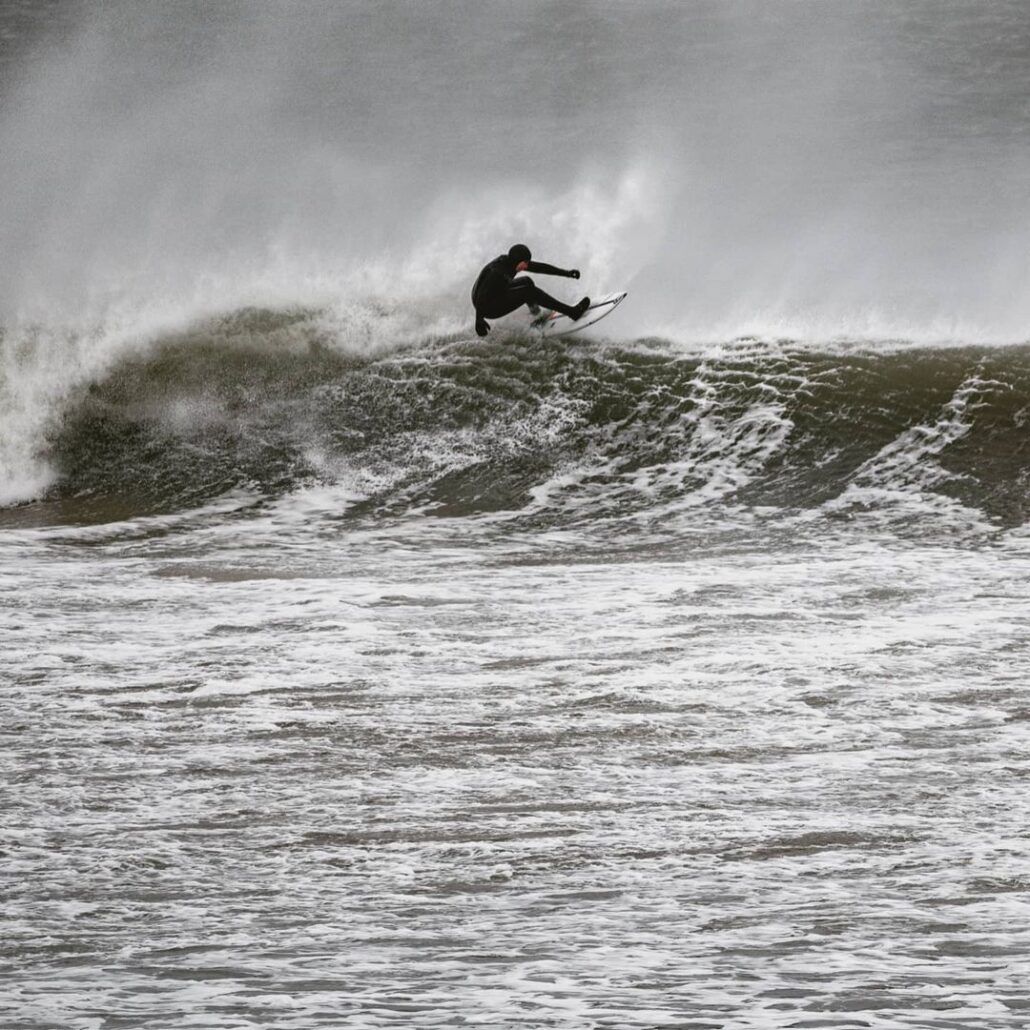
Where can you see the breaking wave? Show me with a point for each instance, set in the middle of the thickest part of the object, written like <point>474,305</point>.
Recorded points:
<point>268,402</point>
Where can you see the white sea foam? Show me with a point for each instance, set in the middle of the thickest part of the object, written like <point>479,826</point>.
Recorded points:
<point>394,782</point>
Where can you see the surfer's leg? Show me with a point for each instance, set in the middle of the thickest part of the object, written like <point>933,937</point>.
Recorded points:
<point>530,293</point>
<point>511,299</point>
<point>524,291</point>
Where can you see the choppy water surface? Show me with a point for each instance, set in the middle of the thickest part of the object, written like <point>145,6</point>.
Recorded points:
<point>358,672</point>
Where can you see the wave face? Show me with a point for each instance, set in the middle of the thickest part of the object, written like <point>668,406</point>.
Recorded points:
<point>557,433</point>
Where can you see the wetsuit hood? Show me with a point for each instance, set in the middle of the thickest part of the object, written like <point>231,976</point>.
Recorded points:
<point>519,252</point>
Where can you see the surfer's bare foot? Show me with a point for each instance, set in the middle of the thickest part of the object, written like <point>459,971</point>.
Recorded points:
<point>579,309</point>
<point>482,327</point>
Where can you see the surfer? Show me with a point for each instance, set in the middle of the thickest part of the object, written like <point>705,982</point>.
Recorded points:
<point>497,292</point>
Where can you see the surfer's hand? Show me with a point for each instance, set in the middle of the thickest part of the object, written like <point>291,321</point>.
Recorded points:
<point>574,273</point>
<point>482,327</point>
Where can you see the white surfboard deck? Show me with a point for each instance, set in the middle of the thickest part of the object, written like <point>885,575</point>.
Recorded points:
<point>550,323</point>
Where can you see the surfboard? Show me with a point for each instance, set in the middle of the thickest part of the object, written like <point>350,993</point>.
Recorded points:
<point>551,323</point>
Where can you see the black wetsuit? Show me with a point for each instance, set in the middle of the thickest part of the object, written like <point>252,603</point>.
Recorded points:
<point>497,292</point>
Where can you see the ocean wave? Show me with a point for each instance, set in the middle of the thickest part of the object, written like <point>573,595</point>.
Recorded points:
<point>270,402</point>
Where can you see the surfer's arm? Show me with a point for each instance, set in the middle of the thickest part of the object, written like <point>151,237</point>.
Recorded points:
<point>545,269</point>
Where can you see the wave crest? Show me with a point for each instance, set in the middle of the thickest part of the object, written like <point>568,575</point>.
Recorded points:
<point>267,401</point>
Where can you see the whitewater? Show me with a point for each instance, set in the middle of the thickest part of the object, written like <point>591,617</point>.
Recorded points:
<point>357,671</point>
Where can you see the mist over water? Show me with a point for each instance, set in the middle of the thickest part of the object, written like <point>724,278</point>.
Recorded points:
<point>805,169</point>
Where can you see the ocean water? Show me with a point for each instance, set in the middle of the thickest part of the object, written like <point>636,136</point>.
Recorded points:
<point>359,672</point>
